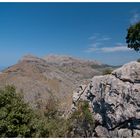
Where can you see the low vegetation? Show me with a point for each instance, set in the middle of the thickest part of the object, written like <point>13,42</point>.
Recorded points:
<point>18,120</point>
<point>79,124</point>
<point>107,71</point>
<point>81,121</point>
<point>138,60</point>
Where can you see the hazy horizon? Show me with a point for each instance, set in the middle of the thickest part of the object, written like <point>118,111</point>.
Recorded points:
<point>93,31</point>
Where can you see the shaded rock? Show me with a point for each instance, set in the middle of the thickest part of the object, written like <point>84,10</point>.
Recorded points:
<point>115,101</point>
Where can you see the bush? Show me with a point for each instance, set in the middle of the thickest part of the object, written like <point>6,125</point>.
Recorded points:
<point>81,123</point>
<point>56,125</point>
<point>138,60</point>
<point>107,71</point>
<point>16,118</point>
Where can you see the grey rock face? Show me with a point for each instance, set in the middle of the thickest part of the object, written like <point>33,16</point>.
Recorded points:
<point>101,131</point>
<point>78,94</point>
<point>129,72</point>
<point>115,101</point>
<point>124,133</point>
<point>137,133</point>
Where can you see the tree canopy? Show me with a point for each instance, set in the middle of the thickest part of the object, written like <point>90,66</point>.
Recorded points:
<point>133,37</point>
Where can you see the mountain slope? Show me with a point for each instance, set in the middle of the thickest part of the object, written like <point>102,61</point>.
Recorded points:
<point>76,68</point>
<point>40,79</point>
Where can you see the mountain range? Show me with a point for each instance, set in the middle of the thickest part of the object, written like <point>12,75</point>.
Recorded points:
<point>51,77</point>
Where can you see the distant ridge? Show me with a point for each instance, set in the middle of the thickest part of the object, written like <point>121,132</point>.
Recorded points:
<point>53,58</point>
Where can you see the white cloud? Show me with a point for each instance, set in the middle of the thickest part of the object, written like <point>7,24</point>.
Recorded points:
<point>135,18</point>
<point>97,41</point>
<point>108,49</point>
<point>97,44</point>
<point>104,39</point>
<point>92,49</point>
<point>94,36</point>
<point>115,49</point>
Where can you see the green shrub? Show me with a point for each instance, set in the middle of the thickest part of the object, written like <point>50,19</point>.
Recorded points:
<point>81,123</point>
<point>56,125</point>
<point>16,118</point>
<point>107,71</point>
<point>138,60</point>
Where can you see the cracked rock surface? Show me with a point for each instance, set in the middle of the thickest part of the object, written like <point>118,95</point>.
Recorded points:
<point>115,100</point>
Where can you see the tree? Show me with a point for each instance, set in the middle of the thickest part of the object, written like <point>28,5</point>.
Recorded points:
<point>16,118</point>
<point>133,37</point>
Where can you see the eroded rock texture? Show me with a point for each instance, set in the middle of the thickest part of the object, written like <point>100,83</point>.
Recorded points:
<point>115,101</point>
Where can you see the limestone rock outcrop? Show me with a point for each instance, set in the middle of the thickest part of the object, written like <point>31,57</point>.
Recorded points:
<point>115,101</point>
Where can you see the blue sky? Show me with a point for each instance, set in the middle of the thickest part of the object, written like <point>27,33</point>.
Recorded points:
<point>86,30</point>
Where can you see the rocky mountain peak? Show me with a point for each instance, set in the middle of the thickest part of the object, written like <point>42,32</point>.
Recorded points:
<point>39,79</point>
<point>64,59</point>
<point>31,58</point>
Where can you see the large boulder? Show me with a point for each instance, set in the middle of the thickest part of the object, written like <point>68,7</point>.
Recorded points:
<point>115,100</point>
<point>129,72</point>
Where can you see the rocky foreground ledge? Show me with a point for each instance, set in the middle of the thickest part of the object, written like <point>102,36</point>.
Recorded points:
<point>115,102</point>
